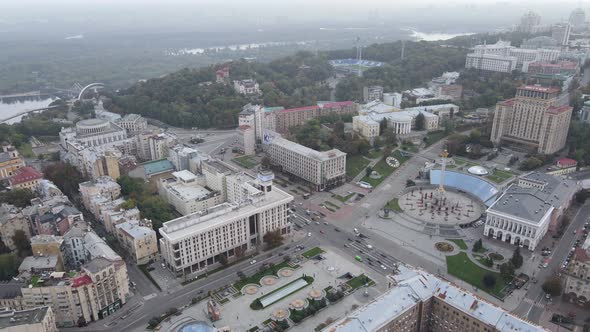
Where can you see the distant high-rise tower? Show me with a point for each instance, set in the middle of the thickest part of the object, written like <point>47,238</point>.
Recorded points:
<point>529,22</point>
<point>359,55</point>
<point>577,18</point>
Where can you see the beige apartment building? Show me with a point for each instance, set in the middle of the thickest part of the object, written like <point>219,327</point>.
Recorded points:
<point>322,170</point>
<point>577,275</point>
<point>193,243</point>
<point>11,221</point>
<point>48,245</point>
<point>10,161</point>
<point>102,186</point>
<point>139,240</point>
<point>33,320</point>
<point>98,290</point>
<point>188,193</point>
<point>532,120</point>
<point>419,302</point>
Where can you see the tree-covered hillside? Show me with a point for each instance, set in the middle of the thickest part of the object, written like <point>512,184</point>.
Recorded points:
<point>181,98</point>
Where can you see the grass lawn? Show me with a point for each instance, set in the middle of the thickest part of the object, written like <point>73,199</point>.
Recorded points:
<point>393,205</point>
<point>26,150</point>
<point>245,161</point>
<point>355,164</point>
<point>374,154</point>
<point>463,268</point>
<point>360,281</point>
<point>343,199</point>
<point>385,170</point>
<point>328,203</point>
<point>313,252</point>
<point>435,136</point>
<point>462,245</point>
<point>255,279</point>
<point>499,176</point>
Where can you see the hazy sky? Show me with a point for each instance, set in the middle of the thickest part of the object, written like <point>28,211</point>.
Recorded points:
<point>76,16</point>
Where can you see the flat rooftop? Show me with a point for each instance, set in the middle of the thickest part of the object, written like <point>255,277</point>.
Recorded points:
<point>305,151</point>
<point>10,318</point>
<point>198,222</point>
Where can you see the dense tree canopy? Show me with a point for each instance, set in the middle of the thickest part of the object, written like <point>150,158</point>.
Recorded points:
<point>17,197</point>
<point>182,98</point>
<point>65,176</point>
<point>150,206</point>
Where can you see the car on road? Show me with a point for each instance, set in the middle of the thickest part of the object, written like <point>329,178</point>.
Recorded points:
<point>252,262</point>
<point>163,265</point>
<point>383,267</point>
<point>317,222</point>
<point>308,234</point>
<point>322,231</point>
<point>346,246</point>
<point>356,230</point>
<point>369,246</point>
<point>358,258</point>
<point>336,229</point>
<point>325,222</point>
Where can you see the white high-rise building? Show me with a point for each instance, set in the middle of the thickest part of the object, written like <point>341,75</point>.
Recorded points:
<point>193,243</point>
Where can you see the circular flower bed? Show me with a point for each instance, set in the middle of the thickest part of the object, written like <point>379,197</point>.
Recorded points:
<point>286,272</point>
<point>250,289</point>
<point>393,162</point>
<point>268,280</point>
<point>443,247</point>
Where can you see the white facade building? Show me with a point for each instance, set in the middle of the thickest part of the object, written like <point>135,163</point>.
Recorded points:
<point>188,193</point>
<point>133,123</point>
<point>179,156</point>
<point>491,62</point>
<point>192,243</point>
<point>393,99</point>
<point>159,145</point>
<point>528,208</point>
<point>93,132</point>
<point>371,93</point>
<point>247,87</point>
<point>324,170</point>
<point>502,57</point>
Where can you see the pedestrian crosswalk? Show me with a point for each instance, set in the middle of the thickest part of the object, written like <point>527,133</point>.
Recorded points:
<point>533,303</point>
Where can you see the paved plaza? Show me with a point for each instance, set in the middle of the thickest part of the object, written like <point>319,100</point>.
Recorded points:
<point>237,314</point>
<point>431,206</point>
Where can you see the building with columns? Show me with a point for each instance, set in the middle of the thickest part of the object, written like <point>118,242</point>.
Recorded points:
<point>400,122</point>
<point>529,208</point>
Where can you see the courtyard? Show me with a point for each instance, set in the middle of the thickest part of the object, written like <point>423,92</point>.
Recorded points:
<point>288,294</point>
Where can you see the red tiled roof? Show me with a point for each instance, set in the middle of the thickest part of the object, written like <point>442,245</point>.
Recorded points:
<point>25,174</point>
<point>81,281</point>
<point>305,108</point>
<point>539,88</point>
<point>581,255</point>
<point>566,162</point>
<point>338,103</point>
<point>508,102</point>
<point>562,64</point>
<point>559,109</point>
<point>244,127</point>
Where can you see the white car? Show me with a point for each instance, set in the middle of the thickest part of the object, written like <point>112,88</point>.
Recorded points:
<point>253,262</point>
<point>308,233</point>
<point>369,246</point>
<point>383,267</point>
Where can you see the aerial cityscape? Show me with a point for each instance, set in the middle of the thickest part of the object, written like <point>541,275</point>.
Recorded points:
<point>260,169</point>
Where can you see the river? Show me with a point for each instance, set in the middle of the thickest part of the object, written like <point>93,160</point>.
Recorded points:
<point>12,106</point>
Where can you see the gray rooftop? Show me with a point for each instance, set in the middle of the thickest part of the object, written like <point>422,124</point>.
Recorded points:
<point>305,151</point>
<point>98,264</point>
<point>38,263</point>
<point>531,203</point>
<point>10,289</point>
<point>10,318</point>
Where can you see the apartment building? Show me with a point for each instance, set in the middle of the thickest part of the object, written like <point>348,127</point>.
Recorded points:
<point>39,319</point>
<point>49,245</point>
<point>159,145</point>
<point>12,220</point>
<point>100,288</point>
<point>321,169</point>
<point>189,193</point>
<point>26,178</point>
<point>133,123</point>
<point>419,301</point>
<point>577,275</point>
<point>139,239</point>
<point>192,243</point>
<point>10,161</point>
<point>532,120</point>
<point>374,92</point>
<point>529,208</point>
<point>103,186</point>
<point>288,118</point>
<point>179,155</point>
<point>491,62</point>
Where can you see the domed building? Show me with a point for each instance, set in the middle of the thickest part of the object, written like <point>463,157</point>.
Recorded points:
<point>93,132</point>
